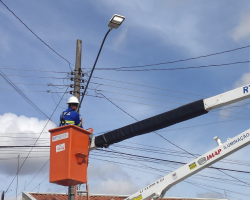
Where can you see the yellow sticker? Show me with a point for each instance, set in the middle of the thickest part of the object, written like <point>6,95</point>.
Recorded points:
<point>137,198</point>
<point>192,166</point>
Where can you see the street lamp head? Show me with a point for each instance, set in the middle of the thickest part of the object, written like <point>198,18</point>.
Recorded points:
<point>116,21</point>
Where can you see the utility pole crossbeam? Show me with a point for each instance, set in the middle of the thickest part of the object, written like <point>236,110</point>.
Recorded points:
<point>160,187</point>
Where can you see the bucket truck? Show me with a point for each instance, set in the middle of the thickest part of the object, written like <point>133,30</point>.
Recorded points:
<point>158,188</point>
<point>171,117</point>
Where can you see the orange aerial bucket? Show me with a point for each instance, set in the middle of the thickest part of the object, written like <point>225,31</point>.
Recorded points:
<point>69,151</point>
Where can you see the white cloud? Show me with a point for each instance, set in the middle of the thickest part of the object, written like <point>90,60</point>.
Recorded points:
<point>244,80</point>
<point>242,31</point>
<point>110,179</point>
<point>105,171</point>
<point>12,124</point>
<point>163,19</point>
<point>122,187</point>
<point>13,197</point>
<point>210,195</point>
<point>21,130</point>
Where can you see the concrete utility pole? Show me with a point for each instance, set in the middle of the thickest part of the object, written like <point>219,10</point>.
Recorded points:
<point>77,88</point>
<point>17,175</point>
<point>77,82</point>
<point>2,197</point>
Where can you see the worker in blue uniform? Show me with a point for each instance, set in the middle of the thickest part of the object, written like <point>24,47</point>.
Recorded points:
<point>70,116</point>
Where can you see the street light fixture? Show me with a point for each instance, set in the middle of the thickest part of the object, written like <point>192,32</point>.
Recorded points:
<point>116,21</point>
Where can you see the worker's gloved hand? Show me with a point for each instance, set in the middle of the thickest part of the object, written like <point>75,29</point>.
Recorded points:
<point>106,145</point>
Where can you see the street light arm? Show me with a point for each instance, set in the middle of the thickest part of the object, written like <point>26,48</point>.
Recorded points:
<point>93,68</point>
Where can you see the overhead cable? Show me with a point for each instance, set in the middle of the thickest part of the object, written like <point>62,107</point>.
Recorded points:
<point>36,70</point>
<point>138,169</point>
<point>171,161</point>
<point>182,60</point>
<point>36,140</point>
<point>175,144</point>
<point>37,76</point>
<point>181,68</point>
<point>37,35</point>
<point>100,84</point>
<point>21,93</point>
<point>143,85</point>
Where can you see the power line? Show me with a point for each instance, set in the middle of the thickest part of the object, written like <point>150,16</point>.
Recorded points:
<point>173,143</point>
<point>24,146</point>
<point>143,85</point>
<point>37,76</point>
<point>27,84</point>
<point>181,68</point>
<point>171,161</point>
<point>164,107</point>
<point>215,179</point>
<point>223,189</point>
<point>153,92</point>
<point>22,94</point>
<point>162,170</point>
<point>38,172</point>
<point>171,152</point>
<point>52,92</point>
<point>139,169</point>
<point>37,35</point>
<point>40,183</point>
<point>162,151</point>
<point>139,96</point>
<point>100,84</point>
<point>37,139</point>
<point>36,70</point>
<point>138,156</point>
<point>30,157</point>
<point>162,100</point>
<point>47,91</point>
<point>182,60</point>
<point>210,190</point>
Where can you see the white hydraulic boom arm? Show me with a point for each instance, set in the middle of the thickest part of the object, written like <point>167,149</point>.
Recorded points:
<point>160,187</point>
<point>227,98</point>
<point>169,118</point>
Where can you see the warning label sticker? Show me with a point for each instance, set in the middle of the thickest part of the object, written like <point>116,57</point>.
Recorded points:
<point>192,166</point>
<point>60,137</point>
<point>60,147</point>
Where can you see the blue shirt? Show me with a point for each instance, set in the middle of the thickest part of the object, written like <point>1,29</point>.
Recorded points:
<point>71,118</point>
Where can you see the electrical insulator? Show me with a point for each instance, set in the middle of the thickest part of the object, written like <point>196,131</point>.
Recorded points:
<point>78,71</point>
<point>71,92</point>
<point>71,86</point>
<point>82,75</point>
<point>48,90</point>
<point>82,81</point>
<point>82,87</point>
<point>72,73</point>
<point>49,84</point>
<point>71,78</point>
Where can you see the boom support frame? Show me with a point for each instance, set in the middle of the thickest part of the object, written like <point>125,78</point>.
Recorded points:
<point>160,187</point>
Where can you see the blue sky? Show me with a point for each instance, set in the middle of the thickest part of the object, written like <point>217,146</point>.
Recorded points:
<point>153,32</point>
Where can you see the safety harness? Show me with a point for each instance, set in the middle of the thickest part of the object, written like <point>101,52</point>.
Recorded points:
<point>62,121</point>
